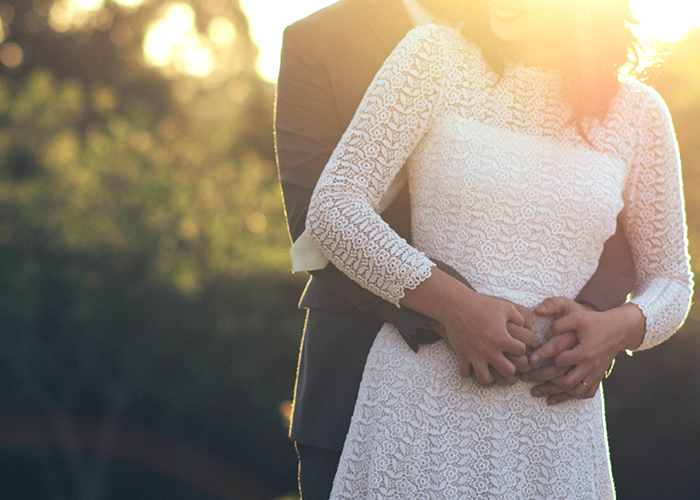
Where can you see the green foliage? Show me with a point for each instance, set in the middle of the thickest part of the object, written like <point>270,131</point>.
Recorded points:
<point>179,189</point>
<point>144,251</point>
<point>144,263</point>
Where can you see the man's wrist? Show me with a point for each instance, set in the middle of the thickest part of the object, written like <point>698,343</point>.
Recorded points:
<point>425,336</point>
<point>590,306</point>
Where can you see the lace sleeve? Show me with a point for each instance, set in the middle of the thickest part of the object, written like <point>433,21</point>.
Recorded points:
<point>392,118</point>
<point>655,223</point>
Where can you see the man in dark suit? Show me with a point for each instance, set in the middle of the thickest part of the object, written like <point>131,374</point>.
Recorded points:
<point>328,61</point>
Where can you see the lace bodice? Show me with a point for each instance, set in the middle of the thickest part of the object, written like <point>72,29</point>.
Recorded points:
<point>502,186</point>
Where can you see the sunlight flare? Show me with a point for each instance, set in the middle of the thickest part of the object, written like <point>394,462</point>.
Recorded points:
<point>173,40</point>
<point>667,21</point>
<point>129,4</point>
<point>72,15</point>
<point>221,31</point>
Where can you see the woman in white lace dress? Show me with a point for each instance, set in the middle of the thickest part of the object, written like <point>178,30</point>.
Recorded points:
<point>518,167</point>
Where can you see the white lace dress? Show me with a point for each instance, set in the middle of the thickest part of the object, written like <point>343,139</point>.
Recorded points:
<point>504,190</point>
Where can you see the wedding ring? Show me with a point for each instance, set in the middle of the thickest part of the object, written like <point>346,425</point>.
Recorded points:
<point>585,384</point>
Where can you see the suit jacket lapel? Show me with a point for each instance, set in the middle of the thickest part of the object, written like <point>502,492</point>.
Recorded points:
<point>389,21</point>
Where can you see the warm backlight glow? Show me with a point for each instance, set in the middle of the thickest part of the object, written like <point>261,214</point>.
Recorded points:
<point>267,19</point>
<point>11,55</point>
<point>69,15</point>
<point>667,20</point>
<point>222,31</point>
<point>172,41</point>
<point>91,5</point>
<point>129,4</point>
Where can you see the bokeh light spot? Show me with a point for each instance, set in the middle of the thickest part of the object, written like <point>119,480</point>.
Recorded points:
<point>70,15</point>
<point>41,7</point>
<point>32,22</point>
<point>196,59</point>
<point>238,90</point>
<point>103,20</point>
<point>173,41</point>
<point>60,17</point>
<point>257,223</point>
<point>286,408</point>
<point>121,35</point>
<point>104,100</point>
<point>188,229</point>
<point>129,4</point>
<point>91,5</point>
<point>222,31</point>
<point>7,13</point>
<point>11,55</point>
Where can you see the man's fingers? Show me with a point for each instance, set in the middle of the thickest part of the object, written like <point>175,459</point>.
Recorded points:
<point>483,374</point>
<point>544,374</point>
<point>512,346</point>
<point>554,347</point>
<point>588,390</point>
<point>593,390</point>
<point>571,382</point>
<point>568,323</point>
<point>504,367</point>
<point>524,335</point>
<point>465,369</point>
<point>501,380</point>
<point>522,363</point>
<point>577,384</point>
<point>558,398</point>
<point>571,357</point>
<point>545,390</point>
<point>553,306</point>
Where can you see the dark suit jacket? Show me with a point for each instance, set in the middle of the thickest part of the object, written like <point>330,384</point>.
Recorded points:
<point>328,61</point>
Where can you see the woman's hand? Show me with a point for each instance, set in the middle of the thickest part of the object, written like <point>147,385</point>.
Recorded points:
<point>477,331</point>
<point>601,336</point>
<point>525,334</point>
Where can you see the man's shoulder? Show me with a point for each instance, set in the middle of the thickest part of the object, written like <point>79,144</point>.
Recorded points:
<point>335,18</point>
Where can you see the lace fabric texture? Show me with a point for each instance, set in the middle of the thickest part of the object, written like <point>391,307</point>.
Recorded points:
<point>504,190</point>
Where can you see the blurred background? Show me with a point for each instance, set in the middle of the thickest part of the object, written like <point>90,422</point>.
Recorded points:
<point>148,323</point>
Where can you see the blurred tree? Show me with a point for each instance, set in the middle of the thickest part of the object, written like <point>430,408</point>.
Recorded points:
<point>137,158</point>
<point>142,235</point>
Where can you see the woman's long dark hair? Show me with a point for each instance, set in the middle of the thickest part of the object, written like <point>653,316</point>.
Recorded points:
<point>600,46</point>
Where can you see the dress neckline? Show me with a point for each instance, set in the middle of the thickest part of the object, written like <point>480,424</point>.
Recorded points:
<point>516,65</point>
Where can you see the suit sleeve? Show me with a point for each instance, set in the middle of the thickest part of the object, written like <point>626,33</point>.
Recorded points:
<point>614,279</point>
<point>307,130</point>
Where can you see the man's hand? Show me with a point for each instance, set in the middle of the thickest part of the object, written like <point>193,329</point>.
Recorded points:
<point>548,373</point>
<point>579,368</point>
<point>557,307</point>
<point>601,336</point>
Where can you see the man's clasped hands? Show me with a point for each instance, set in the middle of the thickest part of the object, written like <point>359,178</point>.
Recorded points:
<point>495,342</point>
